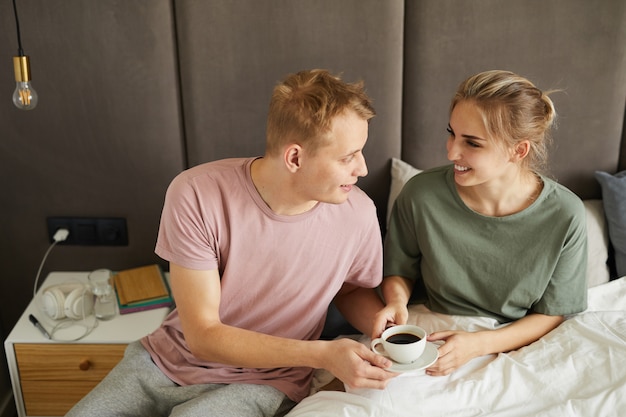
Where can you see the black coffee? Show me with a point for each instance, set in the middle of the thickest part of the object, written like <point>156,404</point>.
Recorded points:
<point>403,338</point>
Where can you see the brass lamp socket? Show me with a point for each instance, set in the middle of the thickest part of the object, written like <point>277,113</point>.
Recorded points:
<point>21,66</point>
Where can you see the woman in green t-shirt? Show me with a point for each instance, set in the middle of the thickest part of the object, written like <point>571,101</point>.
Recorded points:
<point>489,235</point>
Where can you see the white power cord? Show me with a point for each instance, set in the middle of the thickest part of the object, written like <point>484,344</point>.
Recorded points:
<point>59,236</point>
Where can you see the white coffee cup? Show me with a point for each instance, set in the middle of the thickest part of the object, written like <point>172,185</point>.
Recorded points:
<point>403,343</point>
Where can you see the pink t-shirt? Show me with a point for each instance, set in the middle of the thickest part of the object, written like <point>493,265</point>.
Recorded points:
<point>278,273</point>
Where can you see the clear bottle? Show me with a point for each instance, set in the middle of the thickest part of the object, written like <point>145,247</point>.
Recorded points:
<point>100,283</point>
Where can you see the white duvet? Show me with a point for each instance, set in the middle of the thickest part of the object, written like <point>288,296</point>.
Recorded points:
<point>578,369</point>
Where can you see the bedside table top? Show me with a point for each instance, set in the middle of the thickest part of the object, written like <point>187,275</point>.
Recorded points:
<point>124,328</point>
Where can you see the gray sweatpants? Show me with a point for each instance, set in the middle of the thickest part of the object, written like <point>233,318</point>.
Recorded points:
<point>136,387</point>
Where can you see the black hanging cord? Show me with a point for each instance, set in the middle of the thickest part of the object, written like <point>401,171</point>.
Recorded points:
<point>20,51</point>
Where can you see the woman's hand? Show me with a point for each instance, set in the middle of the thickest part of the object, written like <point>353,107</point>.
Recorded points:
<point>391,315</point>
<point>396,292</point>
<point>459,348</point>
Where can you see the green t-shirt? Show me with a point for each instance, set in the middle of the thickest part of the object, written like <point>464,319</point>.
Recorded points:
<point>465,263</point>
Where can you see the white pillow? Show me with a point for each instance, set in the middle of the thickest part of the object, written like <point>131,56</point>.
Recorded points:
<point>597,243</point>
<point>401,172</point>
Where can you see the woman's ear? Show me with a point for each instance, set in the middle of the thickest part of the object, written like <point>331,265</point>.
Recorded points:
<point>521,150</point>
<point>293,157</point>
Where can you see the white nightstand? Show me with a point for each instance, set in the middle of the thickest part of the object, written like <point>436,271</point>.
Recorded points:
<point>50,376</point>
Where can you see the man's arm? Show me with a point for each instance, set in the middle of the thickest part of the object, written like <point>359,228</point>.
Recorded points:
<point>197,295</point>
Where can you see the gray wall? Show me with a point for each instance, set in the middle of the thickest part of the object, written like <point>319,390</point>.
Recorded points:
<point>133,91</point>
<point>105,139</point>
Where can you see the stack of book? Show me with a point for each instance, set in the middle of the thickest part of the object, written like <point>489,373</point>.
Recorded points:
<point>142,288</point>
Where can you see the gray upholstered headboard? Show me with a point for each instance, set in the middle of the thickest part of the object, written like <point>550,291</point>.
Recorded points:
<point>412,55</point>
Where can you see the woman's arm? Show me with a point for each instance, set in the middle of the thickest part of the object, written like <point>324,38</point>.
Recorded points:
<point>396,292</point>
<point>460,346</point>
<point>358,306</point>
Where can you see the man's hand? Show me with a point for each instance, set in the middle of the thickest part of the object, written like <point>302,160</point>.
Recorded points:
<point>357,366</point>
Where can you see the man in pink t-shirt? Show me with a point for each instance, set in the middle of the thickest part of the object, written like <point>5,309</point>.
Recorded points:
<point>258,248</point>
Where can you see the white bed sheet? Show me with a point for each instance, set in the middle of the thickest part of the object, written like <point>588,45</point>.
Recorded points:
<point>578,369</point>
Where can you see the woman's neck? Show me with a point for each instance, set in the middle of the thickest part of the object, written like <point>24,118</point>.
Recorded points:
<point>505,198</point>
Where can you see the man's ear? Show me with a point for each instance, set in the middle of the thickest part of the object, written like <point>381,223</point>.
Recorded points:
<point>521,150</point>
<point>293,157</point>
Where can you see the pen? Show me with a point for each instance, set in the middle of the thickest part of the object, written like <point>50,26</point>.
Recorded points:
<point>38,325</point>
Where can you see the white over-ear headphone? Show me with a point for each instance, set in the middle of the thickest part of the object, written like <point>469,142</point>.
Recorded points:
<point>74,301</point>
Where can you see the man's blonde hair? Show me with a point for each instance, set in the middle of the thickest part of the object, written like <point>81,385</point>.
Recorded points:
<point>304,104</point>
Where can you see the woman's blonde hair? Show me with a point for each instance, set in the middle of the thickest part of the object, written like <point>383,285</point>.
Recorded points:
<point>303,106</point>
<point>513,110</point>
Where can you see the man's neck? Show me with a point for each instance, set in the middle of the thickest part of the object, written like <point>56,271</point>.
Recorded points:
<point>275,186</point>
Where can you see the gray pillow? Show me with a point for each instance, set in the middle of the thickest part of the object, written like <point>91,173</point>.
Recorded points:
<point>614,199</point>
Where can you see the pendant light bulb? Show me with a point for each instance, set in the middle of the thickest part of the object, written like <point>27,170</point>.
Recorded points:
<point>24,97</point>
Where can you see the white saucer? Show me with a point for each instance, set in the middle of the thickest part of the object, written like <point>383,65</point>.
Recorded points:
<point>429,357</point>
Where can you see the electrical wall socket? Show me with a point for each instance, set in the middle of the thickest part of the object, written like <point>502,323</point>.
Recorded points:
<point>90,231</point>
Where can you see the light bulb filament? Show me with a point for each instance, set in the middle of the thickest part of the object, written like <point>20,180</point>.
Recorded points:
<point>25,96</point>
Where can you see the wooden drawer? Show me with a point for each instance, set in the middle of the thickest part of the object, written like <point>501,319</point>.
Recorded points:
<point>56,376</point>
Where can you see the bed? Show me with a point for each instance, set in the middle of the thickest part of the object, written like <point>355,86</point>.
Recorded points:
<point>578,369</point>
